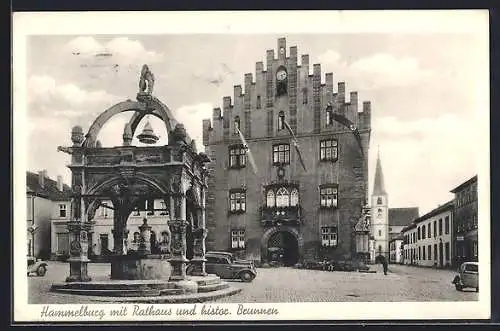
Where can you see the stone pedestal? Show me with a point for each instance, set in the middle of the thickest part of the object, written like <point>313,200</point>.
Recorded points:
<point>178,249</point>
<point>198,260</point>
<point>145,242</point>
<point>78,260</point>
<point>120,238</point>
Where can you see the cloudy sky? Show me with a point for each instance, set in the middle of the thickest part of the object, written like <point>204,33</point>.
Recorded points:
<point>422,88</point>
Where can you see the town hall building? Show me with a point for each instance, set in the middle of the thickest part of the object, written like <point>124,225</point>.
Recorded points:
<point>288,177</point>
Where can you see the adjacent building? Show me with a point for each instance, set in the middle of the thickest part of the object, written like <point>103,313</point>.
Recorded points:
<point>46,200</point>
<point>428,241</point>
<point>262,204</point>
<point>466,221</point>
<point>396,249</point>
<point>101,241</point>
<point>386,223</point>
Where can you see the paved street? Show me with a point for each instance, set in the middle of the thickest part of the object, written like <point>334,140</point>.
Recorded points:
<point>295,285</point>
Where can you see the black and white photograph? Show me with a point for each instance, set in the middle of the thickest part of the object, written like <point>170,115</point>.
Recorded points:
<point>251,166</point>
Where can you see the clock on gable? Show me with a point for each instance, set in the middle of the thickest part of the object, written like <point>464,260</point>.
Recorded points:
<point>281,81</point>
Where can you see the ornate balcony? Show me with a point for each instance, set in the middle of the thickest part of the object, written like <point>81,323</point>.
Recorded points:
<point>271,216</point>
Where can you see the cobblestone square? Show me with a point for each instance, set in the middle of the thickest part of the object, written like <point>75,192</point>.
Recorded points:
<point>402,283</point>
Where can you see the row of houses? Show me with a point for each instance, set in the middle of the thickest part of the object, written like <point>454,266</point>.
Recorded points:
<point>444,237</point>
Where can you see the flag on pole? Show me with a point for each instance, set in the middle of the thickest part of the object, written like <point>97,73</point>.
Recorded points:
<point>296,144</point>
<point>248,151</point>
<point>346,122</point>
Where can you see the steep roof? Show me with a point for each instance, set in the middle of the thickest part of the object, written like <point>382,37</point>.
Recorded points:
<point>464,184</point>
<point>447,206</point>
<point>378,185</point>
<point>402,216</point>
<point>49,189</point>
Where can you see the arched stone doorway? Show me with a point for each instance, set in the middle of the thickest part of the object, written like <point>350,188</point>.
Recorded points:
<point>281,246</point>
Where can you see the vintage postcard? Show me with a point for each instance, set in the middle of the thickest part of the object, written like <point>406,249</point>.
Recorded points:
<point>173,166</point>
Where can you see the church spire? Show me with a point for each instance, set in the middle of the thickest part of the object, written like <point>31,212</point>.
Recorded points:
<point>378,186</point>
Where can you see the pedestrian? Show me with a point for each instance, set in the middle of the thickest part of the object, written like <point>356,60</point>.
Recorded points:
<point>384,264</point>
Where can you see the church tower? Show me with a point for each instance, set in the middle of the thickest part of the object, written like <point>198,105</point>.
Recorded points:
<point>380,214</point>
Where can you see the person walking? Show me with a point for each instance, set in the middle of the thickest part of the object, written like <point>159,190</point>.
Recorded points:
<point>384,264</point>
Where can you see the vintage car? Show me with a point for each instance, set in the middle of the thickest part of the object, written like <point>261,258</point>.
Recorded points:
<point>224,265</point>
<point>36,266</point>
<point>468,276</point>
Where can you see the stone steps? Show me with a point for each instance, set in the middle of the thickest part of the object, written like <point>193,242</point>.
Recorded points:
<point>212,287</point>
<point>142,288</point>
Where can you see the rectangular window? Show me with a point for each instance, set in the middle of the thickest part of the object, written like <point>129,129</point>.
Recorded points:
<point>423,253</point>
<point>328,150</point>
<point>429,251</point>
<point>419,251</point>
<point>62,210</point>
<point>304,96</point>
<point>423,231</point>
<point>237,201</point>
<point>238,238</point>
<point>259,103</point>
<point>429,230</point>
<point>440,226</point>
<point>447,225</point>
<point>329,236</point>
<point>281,154</point>
<point>435,252</point>
<point>447,251</point>
<point>328,197</point>
<point>418,233</point>
<point>237,156</point>
<point>435,229</point>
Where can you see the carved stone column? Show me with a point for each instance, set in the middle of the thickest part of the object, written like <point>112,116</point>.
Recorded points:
<point>145,242</point>
<point>78,260</point>
<point>178,241</point>
<point>198,260</point>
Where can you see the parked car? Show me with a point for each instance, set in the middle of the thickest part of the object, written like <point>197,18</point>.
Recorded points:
<point>224,265</point>
<point>36,266</point>
<point>468,276</point>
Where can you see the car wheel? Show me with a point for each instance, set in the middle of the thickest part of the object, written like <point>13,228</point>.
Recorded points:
<point>458,287</point>
<point>246,276</point>
<point>41,271</point>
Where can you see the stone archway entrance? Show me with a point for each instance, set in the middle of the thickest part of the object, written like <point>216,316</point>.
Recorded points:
<point>281,246</point>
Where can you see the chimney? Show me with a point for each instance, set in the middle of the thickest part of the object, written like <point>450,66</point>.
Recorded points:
<point>60,183</point>
<point>41,177</point>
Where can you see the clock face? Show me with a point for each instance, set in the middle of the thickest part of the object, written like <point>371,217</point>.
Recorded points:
<point>281,75</point>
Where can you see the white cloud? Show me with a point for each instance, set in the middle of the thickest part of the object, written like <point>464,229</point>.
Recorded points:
<point>374,71</point>
<point>121,50</point>
<point>191,116</point>
<point>46,96</point>
<point>429,156</point>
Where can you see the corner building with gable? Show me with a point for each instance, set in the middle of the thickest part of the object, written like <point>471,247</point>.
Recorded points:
<point>281,212</point>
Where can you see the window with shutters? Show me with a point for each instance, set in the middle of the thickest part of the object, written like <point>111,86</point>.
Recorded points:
<point>238,238</point>
<point>281,154</point>
<point>329,236</point>
<point>237,201</point>
<point>328,196</point>
<point>328,150</point>
<point>237,156</point>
